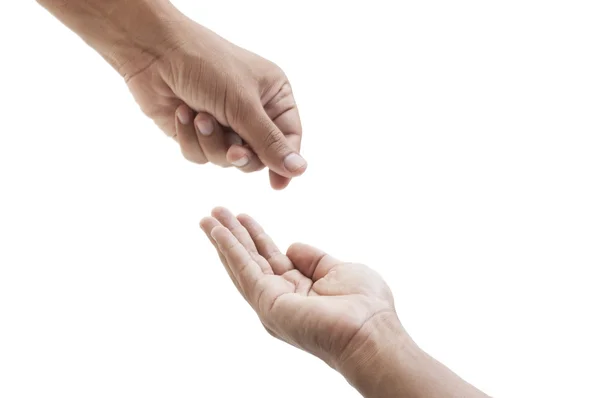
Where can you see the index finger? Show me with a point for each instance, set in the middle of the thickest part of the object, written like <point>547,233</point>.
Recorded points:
<point>244,269</point>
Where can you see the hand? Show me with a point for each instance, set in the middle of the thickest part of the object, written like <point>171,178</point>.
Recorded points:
<point>234,92</point>
<point>179,72</point>
<point>305,297</point>
<point>222,146</point>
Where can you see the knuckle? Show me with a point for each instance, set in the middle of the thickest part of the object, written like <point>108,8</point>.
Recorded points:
<point>273,141</point>
<point>252,169</point>
<point>215,156</point>
<point>252,166</point>
<point>187,156</point>
<point>191,154</point>
<point>274,71</point>
<point>281,101</point>
<point>194,157</point>
<point>221,163</point>
<point>270,331</point>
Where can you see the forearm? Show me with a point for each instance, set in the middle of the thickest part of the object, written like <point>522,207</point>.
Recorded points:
<point>388,364</point>
<point>129,34</point>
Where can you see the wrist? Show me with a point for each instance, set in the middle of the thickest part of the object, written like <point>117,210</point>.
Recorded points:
<point>375,360</point>
<point>129,34</point>
<point>386,363</point>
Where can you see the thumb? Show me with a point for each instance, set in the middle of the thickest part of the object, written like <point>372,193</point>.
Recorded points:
<point>312,262</point>
<point>268,142</point>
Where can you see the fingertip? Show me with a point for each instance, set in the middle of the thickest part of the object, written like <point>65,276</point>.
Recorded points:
<point>247,221</point>
<point>207,225</point>
<point>222,213</point>
<point>184,114</point>
<point>295,164</point>
<point>244,216</point>
<point>218,211</point>
<point>205,123</point>
<point>186,136</point>
<point>206,222</point>
<point>244,159</point>
<point>219,232</point>
<point>278,182</point>
<point>297,247</point>
<point>238,156</point>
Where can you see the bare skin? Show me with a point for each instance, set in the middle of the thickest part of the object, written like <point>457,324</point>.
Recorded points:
<point>341,312</point>
<point>221,103</point>
<point>228,106</point>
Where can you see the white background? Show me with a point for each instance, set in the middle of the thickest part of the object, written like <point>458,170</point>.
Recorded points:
<point>453,146</point>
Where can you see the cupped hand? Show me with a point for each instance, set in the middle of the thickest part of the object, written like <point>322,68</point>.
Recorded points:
<point>304,297</point>
<point>207,91</point>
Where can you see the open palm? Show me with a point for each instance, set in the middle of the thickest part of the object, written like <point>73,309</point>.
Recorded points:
<point>305,297</point>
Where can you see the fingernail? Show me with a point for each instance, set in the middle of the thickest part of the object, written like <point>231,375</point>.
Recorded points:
<point>241,162</point>
<point>184,117</point>
<point>205,126</point>
<point>293,162</point>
